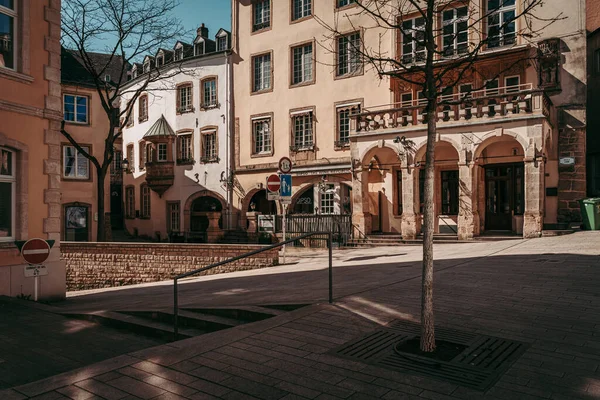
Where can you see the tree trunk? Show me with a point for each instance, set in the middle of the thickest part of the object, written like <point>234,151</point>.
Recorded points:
<point>101,176</point>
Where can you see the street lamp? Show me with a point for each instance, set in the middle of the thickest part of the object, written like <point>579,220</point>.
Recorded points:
<point>125,165</point>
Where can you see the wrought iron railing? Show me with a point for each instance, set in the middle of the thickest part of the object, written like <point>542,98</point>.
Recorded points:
<point>176,279</point>
<point>339,225</point>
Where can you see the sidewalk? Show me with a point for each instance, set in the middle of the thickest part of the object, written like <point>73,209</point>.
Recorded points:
<point>543,292</point>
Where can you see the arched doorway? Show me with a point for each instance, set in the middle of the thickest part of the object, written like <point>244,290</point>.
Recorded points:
<point>304,202</point>
<point>199,211</point>
<point>260,203</point>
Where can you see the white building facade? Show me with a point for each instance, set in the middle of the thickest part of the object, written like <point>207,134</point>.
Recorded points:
<point>177,142</point>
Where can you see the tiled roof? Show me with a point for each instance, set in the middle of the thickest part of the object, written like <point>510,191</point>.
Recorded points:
<point>161,128</point>
<point>74,72</point>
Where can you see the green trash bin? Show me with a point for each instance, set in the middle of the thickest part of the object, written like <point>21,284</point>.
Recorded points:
<point>590,212</point>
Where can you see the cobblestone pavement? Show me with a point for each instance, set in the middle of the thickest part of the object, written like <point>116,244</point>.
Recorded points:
<point>541,291</point>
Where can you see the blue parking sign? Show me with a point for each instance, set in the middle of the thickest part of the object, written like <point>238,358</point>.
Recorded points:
<point>286,185</point>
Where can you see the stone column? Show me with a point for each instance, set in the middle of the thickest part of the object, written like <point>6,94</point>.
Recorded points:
<point>213,232</point>
<point>361,217</point>
<point>533,217</point>
<point>411,220</point>
<point>468,218</point>
<point>252,218</point>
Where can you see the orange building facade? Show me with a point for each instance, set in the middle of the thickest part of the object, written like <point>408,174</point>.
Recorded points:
<point>30,115</point>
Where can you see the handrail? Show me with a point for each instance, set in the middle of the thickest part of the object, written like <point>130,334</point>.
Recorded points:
<point>245,255</point>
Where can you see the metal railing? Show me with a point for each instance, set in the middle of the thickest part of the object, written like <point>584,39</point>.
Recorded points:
<point>329,239</point>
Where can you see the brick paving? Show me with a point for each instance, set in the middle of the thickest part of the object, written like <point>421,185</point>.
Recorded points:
<point>542,291</point>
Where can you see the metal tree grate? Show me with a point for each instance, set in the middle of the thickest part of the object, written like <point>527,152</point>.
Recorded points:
<point>479,366</point>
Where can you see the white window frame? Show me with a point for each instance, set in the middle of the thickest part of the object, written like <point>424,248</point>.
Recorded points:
<point>178,54</point>
<point>303,130</point>
<point>261,18</point>
<point>492,91</point>
<point>212,95</point>
<point>87,109</point>
<point>345,108</point>
<point>162,151</point>
<point>327,200</point>
<point>143,116</point>
<point>266,124</point>
<point>220,39</point>
<point>406,99</point>
<point>301,67</point>
<point>210,151</point>
<point>348,54</point>
<point>343,3</point>
<point>146,66</point>
<point>417,53</point>
<point>75,166</point>
<point>262,79</point>
<point>197,47</point>
<point>515,89</point>
<point>500,14</point>
<point>12,181</point>
<point>14,14</point>
<point>303,7</point>
<point>454,22</point>
<point>182,138</point>
<point>189,106</point>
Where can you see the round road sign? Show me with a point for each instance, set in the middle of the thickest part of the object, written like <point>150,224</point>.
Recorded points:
<point>35,251</point>
<point>273,183</point>
<point>285,165</point>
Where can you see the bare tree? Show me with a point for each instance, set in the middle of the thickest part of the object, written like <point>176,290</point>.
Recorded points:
<point>436,56</point>
<point>123,31</point>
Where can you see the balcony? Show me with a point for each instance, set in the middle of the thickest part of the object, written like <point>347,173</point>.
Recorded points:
<point>160,175</point>
<point>503,103</point>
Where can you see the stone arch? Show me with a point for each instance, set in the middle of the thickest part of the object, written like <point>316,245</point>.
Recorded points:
<point>372,150</point>
<point>203,193</point>
<point>419,154</point>
<point>248,198</point>
<point>495,136</point>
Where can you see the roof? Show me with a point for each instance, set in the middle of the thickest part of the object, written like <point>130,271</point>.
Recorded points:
<point>73,70</point>
<point>161,128</point>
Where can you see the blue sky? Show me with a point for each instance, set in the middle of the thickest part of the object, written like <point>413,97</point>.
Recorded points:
<point>215,14</point>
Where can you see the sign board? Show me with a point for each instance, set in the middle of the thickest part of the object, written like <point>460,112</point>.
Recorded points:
<point>567,161</point>
<point>35,251</point>
<point>285,165</point>
<point>273,183</point>
<point>286,186</point>
<point>273,196</point>
<point>285,200</point>
<point>266,223</point>
<point>31,271</point>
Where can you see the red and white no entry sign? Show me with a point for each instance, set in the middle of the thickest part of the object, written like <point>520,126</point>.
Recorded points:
<point>35,251</point>
<point>273,183</point>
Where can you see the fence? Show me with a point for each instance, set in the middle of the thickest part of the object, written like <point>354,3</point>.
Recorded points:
<point>340,227</point>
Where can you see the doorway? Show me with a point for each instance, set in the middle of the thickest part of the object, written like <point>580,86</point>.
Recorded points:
<point>76,223</point>
<point>504,195</point>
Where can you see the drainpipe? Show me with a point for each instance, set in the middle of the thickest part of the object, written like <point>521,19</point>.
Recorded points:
<point>228,174</point>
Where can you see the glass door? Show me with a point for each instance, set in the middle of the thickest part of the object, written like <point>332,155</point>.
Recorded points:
<point>503,195</point>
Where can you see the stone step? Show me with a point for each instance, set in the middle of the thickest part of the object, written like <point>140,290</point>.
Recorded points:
<point>186,318</point>
<point>239,314</point>
<point>557,232</point>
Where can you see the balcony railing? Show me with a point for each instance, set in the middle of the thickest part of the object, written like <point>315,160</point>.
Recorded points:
<point>493,103</point>
<point>160,175</point>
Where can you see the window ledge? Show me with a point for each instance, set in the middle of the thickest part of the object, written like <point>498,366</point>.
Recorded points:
<point>210,107</point>
<point>264,154</point>
<point>15,76</point>
<point>350,75</point>
<point>301,84</point>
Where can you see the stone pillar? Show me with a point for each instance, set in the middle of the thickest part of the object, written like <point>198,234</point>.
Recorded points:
<point>361,217</point>
<point>411,220</point>
<point>468,219</point>
<point>252,218</point>
<point>213,231</point>
<point>533,217</point>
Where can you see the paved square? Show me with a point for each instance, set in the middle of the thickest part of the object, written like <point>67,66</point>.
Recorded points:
<point>543,292</point>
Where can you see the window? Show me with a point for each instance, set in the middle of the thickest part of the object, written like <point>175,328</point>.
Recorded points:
<point>130,202</point>
<point>7,194</point>
<point>199,48</point>
<point>209,146</point>
<point>450,192</point>
<point>262,72</point>
<point>501,23</point>
<point>184,98</point>
<point>159,61</point>
<point>130,156</point>
<point>455,31</point>
<point>142,151</point>
<point>145,200</point>
<point>302,125</point>
<point>406,99</point>
<point>184,148</point>
<point>115,167</point>
<point>143,108</point>
<point>261,15</point>
<point>327,197</point>
<point>75,108</point>
<point>173,216</point>
<point>149,152</point>
<point>179,54</point>
<point>261,129</point>
<point>76,223</point>
<point>106,78</point>
<point>465,90</point>
<point>222,43</point>
<point>162,152</point>
<point>348,54</point>
<point>302,64</point>
<point>413,37</point>
<point>75,165</point>
<point>491,87</point>
<point>130,116</point>
<point>344,3</point>
<point>209,93</point>
<point>8,29</point>
<point>511,84</point>
<point>301,9</point>
<point>343,122</point>
<point>147,66</point>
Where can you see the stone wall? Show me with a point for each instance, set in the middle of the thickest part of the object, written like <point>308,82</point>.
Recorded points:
<point>93,265</point>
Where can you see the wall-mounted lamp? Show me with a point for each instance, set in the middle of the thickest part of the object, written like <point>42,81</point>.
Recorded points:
<point>125,165</point>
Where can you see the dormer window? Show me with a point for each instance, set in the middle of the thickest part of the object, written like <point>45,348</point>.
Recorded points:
<point>159,61</point>
<point>135,73</point>
<point>147,66</point>
<point>222,43</point>
<point>106,78</point>
<point>199,48</point>
<point>179,54</point>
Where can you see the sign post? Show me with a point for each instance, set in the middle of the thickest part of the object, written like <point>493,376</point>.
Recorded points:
<point>285,192</point>
<point>35,252</point>
<point>273,185</point>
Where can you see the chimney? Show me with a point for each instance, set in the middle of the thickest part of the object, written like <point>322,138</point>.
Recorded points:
<point>203,31</point>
